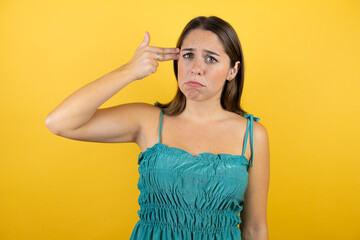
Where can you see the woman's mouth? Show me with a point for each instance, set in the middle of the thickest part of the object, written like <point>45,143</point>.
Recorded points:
<point>194,84</point>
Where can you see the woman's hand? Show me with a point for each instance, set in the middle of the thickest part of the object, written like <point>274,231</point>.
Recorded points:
<point>145,59</point>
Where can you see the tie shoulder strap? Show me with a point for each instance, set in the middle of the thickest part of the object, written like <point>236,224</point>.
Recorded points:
<point>160,122</point>
<point>249,128</point>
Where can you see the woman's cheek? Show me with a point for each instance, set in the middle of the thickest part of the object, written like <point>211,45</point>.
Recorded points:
<point>180,71</point>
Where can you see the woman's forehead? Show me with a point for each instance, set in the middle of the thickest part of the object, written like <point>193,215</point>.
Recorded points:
<point>200,39</point>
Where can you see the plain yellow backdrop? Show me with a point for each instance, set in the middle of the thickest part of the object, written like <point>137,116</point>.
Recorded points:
<point>301,79</point>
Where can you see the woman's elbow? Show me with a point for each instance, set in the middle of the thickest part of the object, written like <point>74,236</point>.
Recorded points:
<point>256,233</point>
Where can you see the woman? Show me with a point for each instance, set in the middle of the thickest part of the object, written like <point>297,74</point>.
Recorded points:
<point>203,160</point>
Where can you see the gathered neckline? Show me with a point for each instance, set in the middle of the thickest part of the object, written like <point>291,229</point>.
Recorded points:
<point>200,155</point>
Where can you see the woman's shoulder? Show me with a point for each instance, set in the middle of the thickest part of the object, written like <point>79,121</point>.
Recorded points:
<point>260,133</point>
<point>244,118</point>
<point>259,130</point>
<point>148,117</point>
<point>144,113</point>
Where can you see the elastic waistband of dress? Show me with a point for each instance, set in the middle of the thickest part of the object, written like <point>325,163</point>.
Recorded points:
<point>199,220</point>
<point>190,228</point>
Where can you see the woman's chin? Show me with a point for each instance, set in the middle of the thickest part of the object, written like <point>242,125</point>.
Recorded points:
<point>192,94</point>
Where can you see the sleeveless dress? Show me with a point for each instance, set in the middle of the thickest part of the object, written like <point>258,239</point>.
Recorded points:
<point>191,197</point>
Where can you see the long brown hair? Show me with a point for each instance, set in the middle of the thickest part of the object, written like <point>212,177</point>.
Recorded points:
<point>232,90</point>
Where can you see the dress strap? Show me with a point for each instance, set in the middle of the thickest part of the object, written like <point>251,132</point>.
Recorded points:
<point>160,123</point>
<point>249,127</point>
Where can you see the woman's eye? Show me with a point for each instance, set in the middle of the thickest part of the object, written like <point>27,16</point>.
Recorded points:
<point>211,59</point>
<point>187,55</point>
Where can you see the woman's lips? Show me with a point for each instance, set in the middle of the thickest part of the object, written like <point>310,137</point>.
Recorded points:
<point>194,84</point>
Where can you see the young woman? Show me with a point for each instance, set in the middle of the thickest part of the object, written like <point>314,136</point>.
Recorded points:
<point>204,160</point>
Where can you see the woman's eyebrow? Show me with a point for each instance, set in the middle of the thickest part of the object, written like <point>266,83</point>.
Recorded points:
<point>208,51</point>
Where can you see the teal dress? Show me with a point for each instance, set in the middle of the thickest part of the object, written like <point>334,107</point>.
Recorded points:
<point>184,197</point>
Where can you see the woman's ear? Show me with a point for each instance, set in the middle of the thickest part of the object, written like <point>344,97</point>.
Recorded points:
<point>233,71</point>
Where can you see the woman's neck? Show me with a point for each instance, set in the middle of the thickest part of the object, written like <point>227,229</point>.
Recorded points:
<point>203,111</point>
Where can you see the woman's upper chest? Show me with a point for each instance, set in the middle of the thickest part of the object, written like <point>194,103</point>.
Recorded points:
<point>223,136</point>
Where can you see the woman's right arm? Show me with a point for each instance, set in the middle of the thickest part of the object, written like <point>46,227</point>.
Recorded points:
<point>79,117</point>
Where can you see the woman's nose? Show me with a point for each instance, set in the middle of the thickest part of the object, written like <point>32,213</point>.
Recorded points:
<point>197,67</point>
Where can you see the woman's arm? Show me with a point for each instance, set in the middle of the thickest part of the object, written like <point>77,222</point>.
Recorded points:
<point>254,214</point>
<point>78,116</point>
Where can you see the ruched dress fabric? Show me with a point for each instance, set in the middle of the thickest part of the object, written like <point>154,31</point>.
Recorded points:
<point>186,197</point>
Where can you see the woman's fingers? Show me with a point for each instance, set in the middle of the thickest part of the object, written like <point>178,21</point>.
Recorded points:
<point>162,54</point>
<point>162,50</point>
<point>146,41</point>
<point>166,56</point>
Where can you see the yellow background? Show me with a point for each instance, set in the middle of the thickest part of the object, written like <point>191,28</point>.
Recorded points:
<point>301,78</point>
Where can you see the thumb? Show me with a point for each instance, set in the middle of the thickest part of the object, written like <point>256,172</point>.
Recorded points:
<point>146,40</point>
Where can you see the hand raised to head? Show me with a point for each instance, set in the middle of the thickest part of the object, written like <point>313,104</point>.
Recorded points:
<point>145,59</point>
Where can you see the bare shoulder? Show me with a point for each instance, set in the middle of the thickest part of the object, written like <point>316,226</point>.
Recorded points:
<point>260,134</point>
<point>261,144</point>
<point>143,113</point>
<point>146,112</point>
<point>147,117</point>
<point>259,131</point>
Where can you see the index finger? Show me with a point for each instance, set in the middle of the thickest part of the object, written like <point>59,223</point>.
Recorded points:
<point>163,50</point>
<point>161,57</point>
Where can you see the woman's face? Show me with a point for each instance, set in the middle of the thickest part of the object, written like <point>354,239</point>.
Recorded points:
<point>203,66</point>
